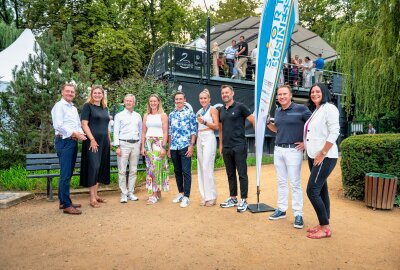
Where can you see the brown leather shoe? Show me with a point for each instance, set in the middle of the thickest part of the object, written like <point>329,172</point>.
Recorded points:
<point>77,205</point>
<point>72,211</point>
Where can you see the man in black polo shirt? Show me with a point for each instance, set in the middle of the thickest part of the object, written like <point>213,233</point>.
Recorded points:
<point>233,147</point>
<point>242,53</point>
<point>288,153</point>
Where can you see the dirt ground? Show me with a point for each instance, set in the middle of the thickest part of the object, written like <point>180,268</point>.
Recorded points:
<point>36,235</point>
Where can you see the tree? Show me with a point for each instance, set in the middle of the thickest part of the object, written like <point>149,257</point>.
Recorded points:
<point>28,101</point>
<point>369,50</point>
<point>229,10</point>
<point>8,34</point>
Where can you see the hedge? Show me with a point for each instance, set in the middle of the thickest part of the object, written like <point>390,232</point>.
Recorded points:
<point>362,154</point>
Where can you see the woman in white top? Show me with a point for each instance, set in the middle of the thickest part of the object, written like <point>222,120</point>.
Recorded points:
<point>307,76</point>
<point>207,117</point>
<point>215,55</point>
<point>321,132</point>
<point>154,140</point>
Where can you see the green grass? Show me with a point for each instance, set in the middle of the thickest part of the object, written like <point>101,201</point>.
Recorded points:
<point>16,179</point>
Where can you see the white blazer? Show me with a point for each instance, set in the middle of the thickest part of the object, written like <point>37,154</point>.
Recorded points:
<point>322,126</point>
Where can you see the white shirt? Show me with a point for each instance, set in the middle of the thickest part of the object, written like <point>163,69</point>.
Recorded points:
<point>65,119</point>
<point>201,45</point>
<point>254,54</point>
<point>127,126</point>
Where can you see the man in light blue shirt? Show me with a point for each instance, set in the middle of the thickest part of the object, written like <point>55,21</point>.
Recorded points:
<point>182,136</point>
<point>68,130</point>
<point>229,54</point>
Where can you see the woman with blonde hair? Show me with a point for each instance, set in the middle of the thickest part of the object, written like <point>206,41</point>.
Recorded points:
<point>154,140</point>
<point>215,56</point>
<point>207,117</point>
<point>95,159</point>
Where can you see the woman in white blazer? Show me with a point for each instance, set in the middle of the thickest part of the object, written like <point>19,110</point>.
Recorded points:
<point>321,132</point>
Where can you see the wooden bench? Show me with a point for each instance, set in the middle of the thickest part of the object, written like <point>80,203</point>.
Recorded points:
<point>48,162</point>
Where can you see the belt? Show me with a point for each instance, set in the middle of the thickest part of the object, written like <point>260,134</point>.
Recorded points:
<point>129,141</point>
<point>286,145</point>
<point>69,138</point>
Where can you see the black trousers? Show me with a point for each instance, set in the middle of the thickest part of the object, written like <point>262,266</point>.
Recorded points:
<point>317,188</point>
<point>235,159</point>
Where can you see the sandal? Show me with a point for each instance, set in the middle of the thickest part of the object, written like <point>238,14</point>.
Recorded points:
<point>94,204</point>
<point>202,203</point>
<point>327,233</point>
<point>152,200</point>
<point>314,229</point>
<point>210,203</point>
<point>101,200</point>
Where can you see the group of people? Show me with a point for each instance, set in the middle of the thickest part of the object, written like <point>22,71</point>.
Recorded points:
<point>234,59</point>
<point>159,137</point>
<point>306,72</point>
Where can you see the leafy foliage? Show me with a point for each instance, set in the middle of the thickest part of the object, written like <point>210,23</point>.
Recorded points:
<point>8,34</point>
<point>229,10</point>
<point>30,98</point>
<point>368,153</point>
<point>369,52</point>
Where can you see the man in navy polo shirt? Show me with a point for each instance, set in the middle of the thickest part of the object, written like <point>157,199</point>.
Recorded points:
<point>233,147</point>
<point>288,153</point>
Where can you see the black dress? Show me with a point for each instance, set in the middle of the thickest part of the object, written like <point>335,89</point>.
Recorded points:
<point>95,166</point>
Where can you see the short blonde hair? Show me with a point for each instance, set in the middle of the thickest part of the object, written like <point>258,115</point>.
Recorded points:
<point>103,102</point>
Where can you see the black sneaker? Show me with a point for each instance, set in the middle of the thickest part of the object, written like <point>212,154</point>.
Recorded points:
<point>242,207</point>
<point>298,222</point>
<point>278,214</point>
<point>230,202</point>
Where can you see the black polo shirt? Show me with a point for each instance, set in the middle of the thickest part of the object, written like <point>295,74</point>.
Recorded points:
<point>233,124</point>
<point>290,123</point>
<point>242,45</point>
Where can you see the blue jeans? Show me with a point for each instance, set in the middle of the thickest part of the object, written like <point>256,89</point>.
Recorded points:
<point>67,151</point>
<point>182,170</point>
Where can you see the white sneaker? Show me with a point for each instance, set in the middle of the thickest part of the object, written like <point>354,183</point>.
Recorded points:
<point>124,198</point>
<point>178,198</point>
<point>132,197</point>
<point>185,202</point>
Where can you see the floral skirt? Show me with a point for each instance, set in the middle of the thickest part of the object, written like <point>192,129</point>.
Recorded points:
<point>156,168</point>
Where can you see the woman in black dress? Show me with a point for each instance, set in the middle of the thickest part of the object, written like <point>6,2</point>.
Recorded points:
<point>95,160</point>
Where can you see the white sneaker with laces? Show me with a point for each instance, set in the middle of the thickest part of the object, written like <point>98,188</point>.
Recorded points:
<point>132,197</point>
<point>178,198</point>
<point>185,202</point>
<point>124,198</point>
<point>242,207</point>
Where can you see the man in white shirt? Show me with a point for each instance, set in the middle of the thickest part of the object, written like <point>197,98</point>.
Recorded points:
<point>127,132</point>
<point>201,44</point>
<point>68,130</point>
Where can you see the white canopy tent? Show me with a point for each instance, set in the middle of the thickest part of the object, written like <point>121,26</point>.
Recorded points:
<point>303,43</point>
<point>14,55</point>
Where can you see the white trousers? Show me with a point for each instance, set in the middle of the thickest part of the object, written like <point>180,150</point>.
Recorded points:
<point>287,163</point>
<point>206,146</point>
<point>129,154</point>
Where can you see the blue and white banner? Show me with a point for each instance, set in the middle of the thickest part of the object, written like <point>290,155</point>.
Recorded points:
<point>276,27</point>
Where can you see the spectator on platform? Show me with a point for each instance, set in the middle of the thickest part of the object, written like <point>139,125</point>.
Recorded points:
<point>201,44</point>
<point>230,53</point>
<point>221,64</point>
<point>371,129</point>
<point>294,73</point>
<point>253,57</point>
<point>307,75</point>
<point>242,54</point>
<point>319,68</point>
<point>215,55</point>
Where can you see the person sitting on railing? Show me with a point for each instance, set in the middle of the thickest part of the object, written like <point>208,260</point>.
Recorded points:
<point>230,53</point>
<point>242,54</point>
<point>221,64</point>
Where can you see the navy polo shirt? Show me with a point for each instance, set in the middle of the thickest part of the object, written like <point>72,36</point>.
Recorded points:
<point>233,124</point>
<point>290,123</point>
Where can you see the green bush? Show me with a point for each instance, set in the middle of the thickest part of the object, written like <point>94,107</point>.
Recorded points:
<point>362,154</point>
<point>10,158</point>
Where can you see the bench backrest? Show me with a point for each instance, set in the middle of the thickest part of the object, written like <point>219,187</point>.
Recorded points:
<point>36,162</point>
